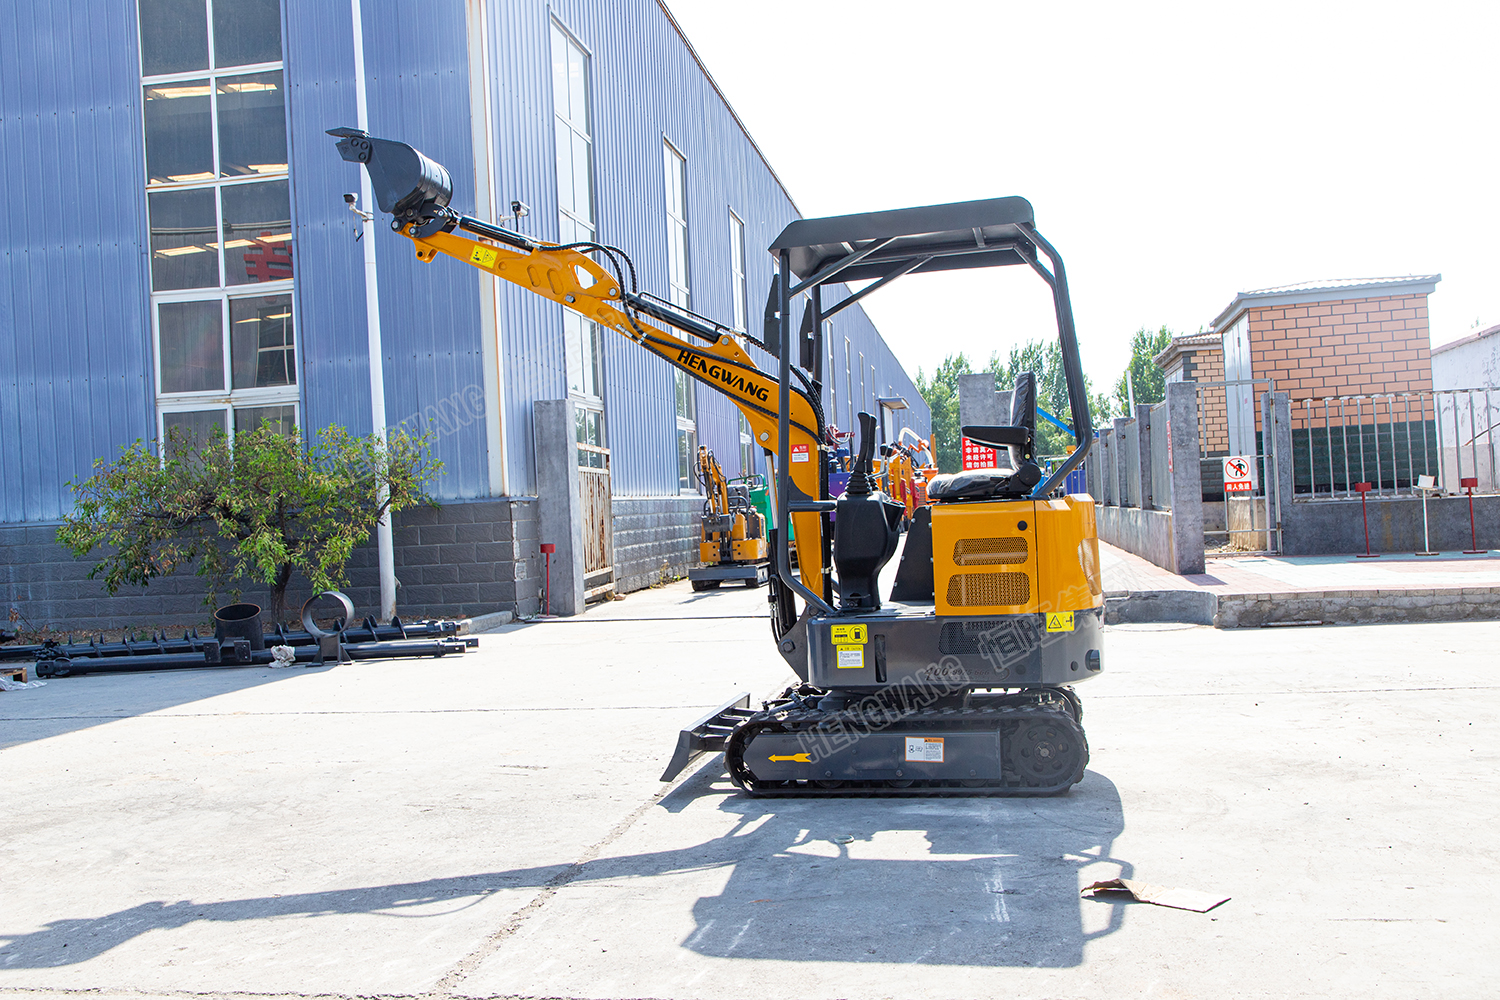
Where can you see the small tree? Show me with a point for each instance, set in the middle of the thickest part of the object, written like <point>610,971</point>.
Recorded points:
<point>1044,358</point>
<point>1146,375</point>
<point>941,395</point>
<point>258,507</point>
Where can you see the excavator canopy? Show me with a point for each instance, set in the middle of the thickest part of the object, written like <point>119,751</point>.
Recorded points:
<point>959,235</point>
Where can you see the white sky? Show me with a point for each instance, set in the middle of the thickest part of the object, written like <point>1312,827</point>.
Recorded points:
<point>1174,154</point>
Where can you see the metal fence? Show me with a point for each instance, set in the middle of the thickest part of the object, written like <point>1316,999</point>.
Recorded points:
<point>1389,440</point>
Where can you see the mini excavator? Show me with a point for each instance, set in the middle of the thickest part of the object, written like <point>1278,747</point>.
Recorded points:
<point>960,680</point>
<point>732,544</point>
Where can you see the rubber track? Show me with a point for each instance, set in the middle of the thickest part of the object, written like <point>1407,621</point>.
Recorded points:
<point>1007,718</point>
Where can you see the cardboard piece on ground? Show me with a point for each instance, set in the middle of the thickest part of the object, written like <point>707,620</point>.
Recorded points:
<point>1180,899</point>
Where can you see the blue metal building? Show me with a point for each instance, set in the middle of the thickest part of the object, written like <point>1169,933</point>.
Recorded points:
<point>178,251</point>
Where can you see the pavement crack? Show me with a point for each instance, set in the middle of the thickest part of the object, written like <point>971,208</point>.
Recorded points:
<point>491,944</point>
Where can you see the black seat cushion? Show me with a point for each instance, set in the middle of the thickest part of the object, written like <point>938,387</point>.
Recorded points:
<point>979,484</point>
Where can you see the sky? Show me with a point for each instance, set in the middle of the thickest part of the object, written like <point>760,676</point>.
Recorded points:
<point>1175,154</point>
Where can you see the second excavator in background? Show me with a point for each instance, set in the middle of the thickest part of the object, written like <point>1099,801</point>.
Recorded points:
<point>732,542</point>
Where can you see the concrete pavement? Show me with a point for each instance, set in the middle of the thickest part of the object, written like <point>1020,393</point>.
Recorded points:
<point>491,825</point>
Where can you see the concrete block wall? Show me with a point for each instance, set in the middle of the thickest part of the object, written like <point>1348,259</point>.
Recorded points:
<point>1171,538</point>
<point>652,533</point>
<point>452,561</point>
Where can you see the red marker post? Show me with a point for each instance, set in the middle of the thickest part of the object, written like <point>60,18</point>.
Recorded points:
<point>1469,484</point>
<point>547,549</point>
<point>1362,489</point>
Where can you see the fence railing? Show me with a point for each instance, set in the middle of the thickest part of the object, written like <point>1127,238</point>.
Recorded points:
<point>1389,440</point>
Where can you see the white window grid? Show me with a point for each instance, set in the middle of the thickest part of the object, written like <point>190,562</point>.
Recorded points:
<point>737,288</point>
<point>675,181</point>
<point>228,399</point>
<point>574,225</point>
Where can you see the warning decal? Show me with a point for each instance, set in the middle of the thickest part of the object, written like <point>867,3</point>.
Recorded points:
<point>484,256</point>
<point>800,453</point>
<point>1059,621</point>
<point>928,749</point>
<point>850,633</point>
<point>851,657</point>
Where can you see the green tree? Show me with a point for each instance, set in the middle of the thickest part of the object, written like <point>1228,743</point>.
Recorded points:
<point>1149,379</point>
<point>256,508</point>
<point>1044,358</point>
<point>941,395</point>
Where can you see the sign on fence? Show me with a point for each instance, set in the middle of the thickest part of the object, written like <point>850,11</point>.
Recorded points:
<point>977,456</point>
<point>1239,474</point>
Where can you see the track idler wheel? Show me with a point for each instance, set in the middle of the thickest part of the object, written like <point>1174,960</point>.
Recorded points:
<point>1049,752</point>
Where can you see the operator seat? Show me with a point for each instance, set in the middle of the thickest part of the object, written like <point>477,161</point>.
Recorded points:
<point>1018,438</point>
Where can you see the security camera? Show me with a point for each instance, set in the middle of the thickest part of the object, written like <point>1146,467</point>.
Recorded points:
<point>350,199</point>
<point>520,209</point>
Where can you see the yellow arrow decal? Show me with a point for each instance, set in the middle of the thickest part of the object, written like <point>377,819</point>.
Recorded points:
<point>800,758</point>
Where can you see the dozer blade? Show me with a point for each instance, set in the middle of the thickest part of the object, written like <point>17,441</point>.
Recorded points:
<point>708,734</point>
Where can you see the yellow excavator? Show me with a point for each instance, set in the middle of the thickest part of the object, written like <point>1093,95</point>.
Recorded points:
<point>732,545</point>
<point>954,678</point>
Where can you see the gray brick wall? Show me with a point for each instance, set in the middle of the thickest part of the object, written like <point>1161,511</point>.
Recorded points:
<point>651,531</point>
<point>457,560</point>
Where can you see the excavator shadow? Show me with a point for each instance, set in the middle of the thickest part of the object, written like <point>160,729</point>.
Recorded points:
<point>942,881</point>
<point>966,881</point>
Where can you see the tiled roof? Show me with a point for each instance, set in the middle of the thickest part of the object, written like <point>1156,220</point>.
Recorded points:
<point>1205,338</point>
<point>1322,291</point>
<point>1340,284</point>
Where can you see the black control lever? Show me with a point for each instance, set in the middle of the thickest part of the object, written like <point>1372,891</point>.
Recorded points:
<point>861,483</point>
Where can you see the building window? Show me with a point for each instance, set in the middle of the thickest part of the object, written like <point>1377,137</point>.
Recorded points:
<point>737,272</point>
<point>219,208</point>
<point>573,132</point>
<point>849,398</point>
<point>675,178</point>
<point>747,448</point>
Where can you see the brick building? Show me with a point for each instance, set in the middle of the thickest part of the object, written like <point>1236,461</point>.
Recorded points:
<point>1315,339</point>
<point>1199,357</point>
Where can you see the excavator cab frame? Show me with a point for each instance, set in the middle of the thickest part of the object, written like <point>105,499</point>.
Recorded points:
<point>882,247</point>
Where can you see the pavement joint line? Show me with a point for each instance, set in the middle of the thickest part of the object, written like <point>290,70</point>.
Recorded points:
<point>585,620</point>
<point>466,965</point>
<point>148,994</point>
<point>280,715</point>
<point>1291,694</point>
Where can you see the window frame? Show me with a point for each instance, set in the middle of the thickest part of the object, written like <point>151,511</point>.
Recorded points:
<point>589,335</point>
<point>678,227</point>
<point>738,289</point>
<point>228,398</point>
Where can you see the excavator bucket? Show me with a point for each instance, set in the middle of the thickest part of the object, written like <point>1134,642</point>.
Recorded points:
<point>407,184</point>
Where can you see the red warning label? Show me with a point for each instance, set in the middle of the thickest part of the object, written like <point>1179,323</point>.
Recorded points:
<point>800,453</point>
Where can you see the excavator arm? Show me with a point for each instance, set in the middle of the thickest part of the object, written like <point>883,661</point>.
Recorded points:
<point>416,190</point>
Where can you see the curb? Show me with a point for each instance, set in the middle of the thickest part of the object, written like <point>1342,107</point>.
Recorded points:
<point>1332,607</point>
<point>483,623</point>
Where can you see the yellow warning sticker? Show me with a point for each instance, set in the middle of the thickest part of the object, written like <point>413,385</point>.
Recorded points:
<point>1059,621</point>
<point>850,633</point>
<point>851,657</point>
<point>484,256</point>
<point>796,758</point>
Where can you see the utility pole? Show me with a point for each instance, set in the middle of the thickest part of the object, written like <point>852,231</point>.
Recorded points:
<point>372,326</point>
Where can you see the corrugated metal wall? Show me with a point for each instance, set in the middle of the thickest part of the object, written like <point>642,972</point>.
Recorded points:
<point>76,365</point>
<point>417,83</point>
<point>647,88</point>
<point>75,354</point>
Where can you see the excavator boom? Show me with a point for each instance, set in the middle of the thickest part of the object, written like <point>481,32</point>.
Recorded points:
<point>415,189</point>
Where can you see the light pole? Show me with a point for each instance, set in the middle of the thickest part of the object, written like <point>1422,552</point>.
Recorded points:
<point>383,541</point>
